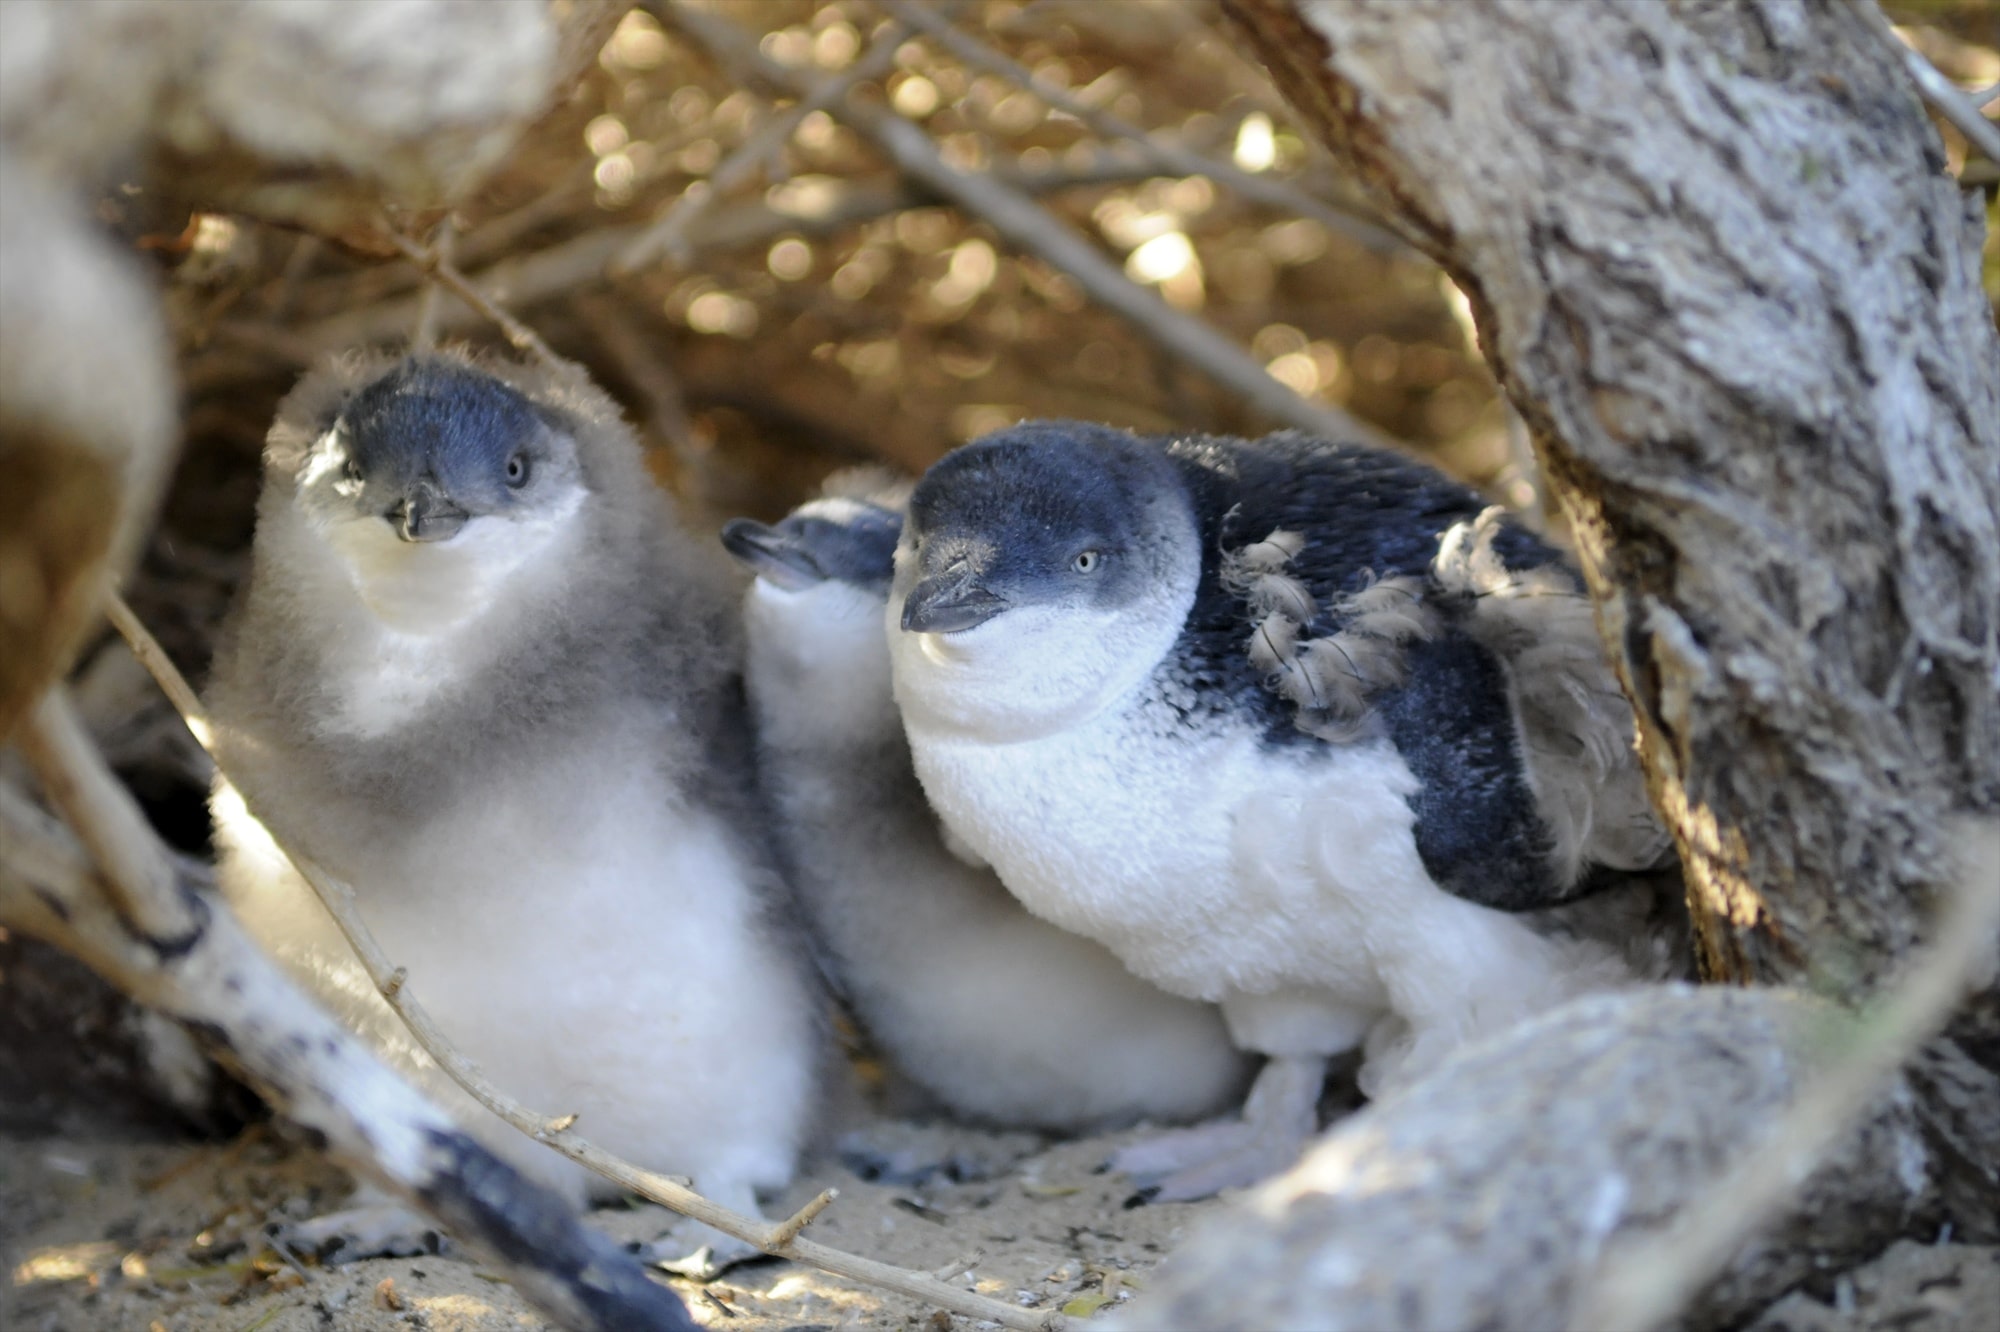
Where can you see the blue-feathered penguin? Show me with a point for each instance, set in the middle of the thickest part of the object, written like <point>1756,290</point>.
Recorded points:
<point>998,1016</point>
<point>1290,726</point>
<point>480,674</point>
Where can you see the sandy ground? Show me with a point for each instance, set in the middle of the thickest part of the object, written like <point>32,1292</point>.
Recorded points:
<point>169,1237</point>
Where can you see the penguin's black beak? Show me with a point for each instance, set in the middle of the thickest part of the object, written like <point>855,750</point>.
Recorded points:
<point>427,514</point>
<point>950,602</point>
<point>771,555</point>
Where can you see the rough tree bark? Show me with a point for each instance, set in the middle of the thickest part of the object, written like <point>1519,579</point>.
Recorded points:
<point>1718,266</point>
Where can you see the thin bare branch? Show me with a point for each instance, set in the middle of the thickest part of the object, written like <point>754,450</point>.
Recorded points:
<point>959,1266</point>
<point>424,335</point>
<point>499,236</point>
<point>305,253</point>
<point>159,665</point>
<point>1961,110</point>
<point>1025,224</point>
<point>580,262</point>
<point>649,373</point>
<point>781,1239</point>
<point>669,234</point>
<point>1352,220</point>
<point>214,975</point>
<point>518,333</point>
<point>137,871</point>
<point>787,1230</point>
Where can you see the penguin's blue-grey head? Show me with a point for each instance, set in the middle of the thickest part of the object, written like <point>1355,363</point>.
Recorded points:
<point>1043,568</point>
<point>435,443</point>
<point>433,487</point>
<point>817,662</point>
<point>838,539</point>
<point>1048,513</point>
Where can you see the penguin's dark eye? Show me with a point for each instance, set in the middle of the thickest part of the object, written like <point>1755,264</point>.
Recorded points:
<point>352,471</point>
<point>517,470</point>
<point>1086,561</point>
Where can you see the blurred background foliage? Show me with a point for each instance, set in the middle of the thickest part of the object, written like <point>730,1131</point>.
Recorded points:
<point>773,299</point>
<point>825,311</point>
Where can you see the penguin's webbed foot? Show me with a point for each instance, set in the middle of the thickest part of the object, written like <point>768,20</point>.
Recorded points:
<point>1279,1119</point>
<point>698,1252</point>
<point>701,1252</point>
<point>373,1225</point>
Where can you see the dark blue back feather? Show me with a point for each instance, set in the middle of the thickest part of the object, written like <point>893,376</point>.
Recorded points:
<point>1367,513</point>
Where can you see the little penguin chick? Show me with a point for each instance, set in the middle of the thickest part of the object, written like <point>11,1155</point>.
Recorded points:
<point>999,1017</point>
<point>480,673</point>
<point>1235,709</point>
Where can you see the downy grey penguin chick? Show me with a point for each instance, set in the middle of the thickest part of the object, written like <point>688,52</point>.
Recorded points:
<point>1235,709</point>
<point>998,1016</point>
<point>480,674</point>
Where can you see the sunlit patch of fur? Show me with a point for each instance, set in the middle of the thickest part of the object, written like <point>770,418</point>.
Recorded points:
<point>1274,643</point>
<point>1390,609</point>
<point>1329,678</point>
<point>1270,555</point>
<point>1576,726</point>
<point>1257,574</point>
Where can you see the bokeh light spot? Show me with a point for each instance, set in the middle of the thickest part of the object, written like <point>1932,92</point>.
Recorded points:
<point>790,259</point>
<point>1256,143</point>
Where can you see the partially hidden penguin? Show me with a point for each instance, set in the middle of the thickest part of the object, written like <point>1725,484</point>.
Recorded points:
<point>997,1017</point>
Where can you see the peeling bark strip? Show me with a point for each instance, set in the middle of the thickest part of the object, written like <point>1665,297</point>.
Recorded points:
<point>1718,268</point>
<point>321,1076</point>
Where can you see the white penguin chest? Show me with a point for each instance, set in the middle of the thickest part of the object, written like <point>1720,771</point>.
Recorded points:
<point>581,885</point>
<point>399,624</point>
<point>1193,856</point>
<point>1083,822</point>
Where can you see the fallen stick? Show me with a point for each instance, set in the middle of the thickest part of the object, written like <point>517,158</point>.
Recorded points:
<point>209,974</point>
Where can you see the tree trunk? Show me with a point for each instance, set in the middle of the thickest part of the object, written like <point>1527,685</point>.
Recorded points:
<point>1718,267</point>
